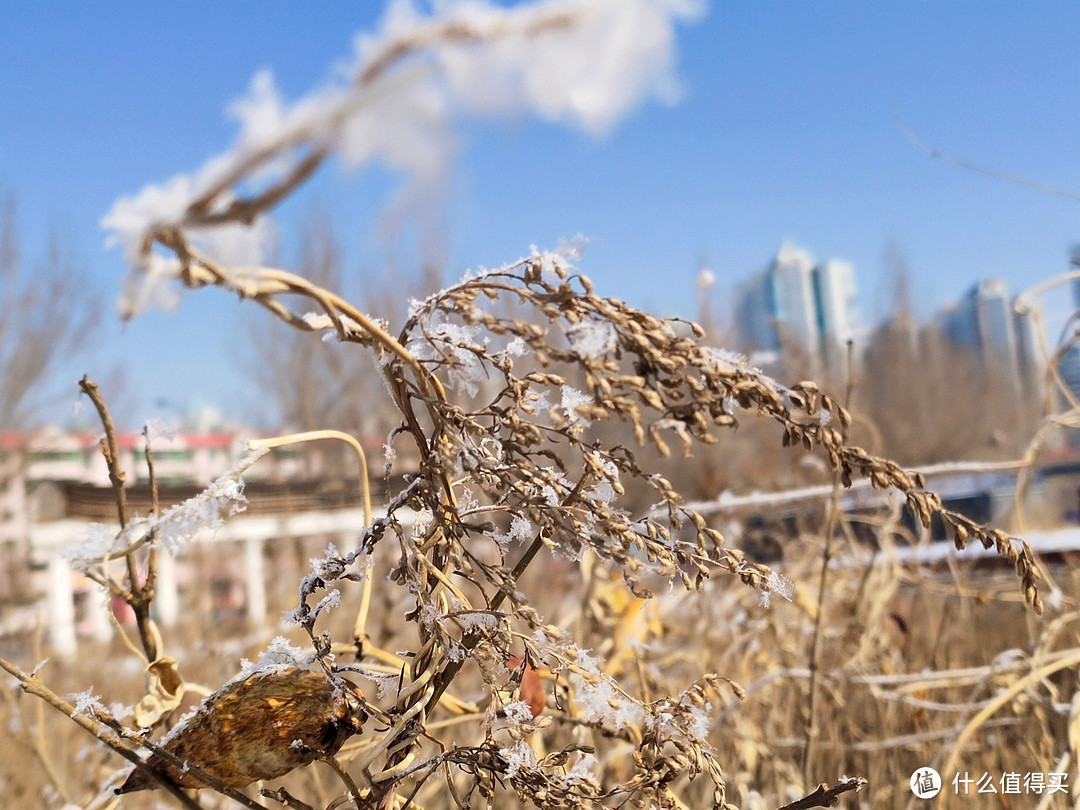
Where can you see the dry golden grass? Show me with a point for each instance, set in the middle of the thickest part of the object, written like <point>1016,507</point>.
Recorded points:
<point>909,658</point>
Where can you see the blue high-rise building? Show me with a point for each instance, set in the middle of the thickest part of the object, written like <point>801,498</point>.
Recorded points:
<point>985,321</point>
<point>1069,369</point>
<point>797,304</point>
<point>836,308</point>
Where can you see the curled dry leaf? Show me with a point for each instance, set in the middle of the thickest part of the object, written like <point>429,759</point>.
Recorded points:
<point>531,690</point>
<point>164,691</point>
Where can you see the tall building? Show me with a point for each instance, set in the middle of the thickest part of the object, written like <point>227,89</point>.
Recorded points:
<point>1069,369</point>
<point>985,321</point>
<point>837,311</point>
<point>982,322</point>
<point>1029,354</point>
<point>797,304</point>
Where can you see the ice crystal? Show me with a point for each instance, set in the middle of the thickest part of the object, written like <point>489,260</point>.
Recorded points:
<point>278,656</point>
<point>593,340</point>
<point>86,702</point>
<point>519,755</point>
<point>777,584</point>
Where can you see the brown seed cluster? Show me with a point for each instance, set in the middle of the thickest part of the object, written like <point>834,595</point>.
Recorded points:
<point>260,727</point>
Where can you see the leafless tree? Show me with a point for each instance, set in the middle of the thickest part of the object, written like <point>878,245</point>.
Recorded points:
<point>923,399</point>
<point>45,314</point>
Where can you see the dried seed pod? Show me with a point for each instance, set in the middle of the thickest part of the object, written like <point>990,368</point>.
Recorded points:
<point>260,727</point>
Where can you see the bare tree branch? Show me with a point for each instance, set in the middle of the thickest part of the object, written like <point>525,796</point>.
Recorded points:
<point>45,315</point>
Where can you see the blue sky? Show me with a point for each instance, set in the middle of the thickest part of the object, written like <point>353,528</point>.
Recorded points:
<point>785,130</point>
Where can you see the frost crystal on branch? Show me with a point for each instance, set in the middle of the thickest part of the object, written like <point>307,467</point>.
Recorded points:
<point>177,525</point>
<point>98,542</point>
<point>593,340</point>
<point>279,656</point>
<point>204,512</point>
<point>86,702</point>
<point>572,399</point>
<point>519,755</point>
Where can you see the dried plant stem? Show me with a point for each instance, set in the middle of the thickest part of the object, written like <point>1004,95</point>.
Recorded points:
<point>816,638</point>
<point>515,440</point>
<point>265,284</point>
<point>282,796</point>
<point>100,727</point>
<point>317,435</point>
<point>117,476</point>
<point>36,743</point>
<point>826,559</point>
<point>347,780</point>
<point>825,796</point>
<point>138,594</point>
<point>276,282</point>
<point>350,324</point>
<point>1002,699</point>
<point>208,209</point>
<point>1026,475</point>
<point>155,509</point>
<point>888,744</point>
<point>1059,767</point>
<point>496,602</point>
<point>360,623</point>
<point>903,683</point>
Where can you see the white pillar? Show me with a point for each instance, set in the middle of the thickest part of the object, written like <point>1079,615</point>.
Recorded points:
<point>255,580</point>
<point>97,611</point>
<point>166,595</point>
<point>61,606</point>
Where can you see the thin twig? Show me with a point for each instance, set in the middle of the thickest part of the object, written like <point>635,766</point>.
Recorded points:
<point>37,744</point>
<point>993,174</point>
<point>826,796</point>
<point>137,597</point>
<point>151,565</point>
<point>1003,699</point>
<point>347,780</point>
<point>826,559</point>
<point>284,797</point>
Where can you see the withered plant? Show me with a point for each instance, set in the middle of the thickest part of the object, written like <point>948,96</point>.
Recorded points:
<point>503,383</point>
<point>510,468</point>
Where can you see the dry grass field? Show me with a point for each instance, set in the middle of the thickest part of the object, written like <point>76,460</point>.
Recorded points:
<point>915,668</point>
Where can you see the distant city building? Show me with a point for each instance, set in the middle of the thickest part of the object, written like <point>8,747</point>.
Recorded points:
<point>1069,369</point>
<point>777,304</point>
<point>799,305</point>
<point>837,311</point>
<point>1032,362</point>
<point>980,321</point>
<point>985,321</point>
